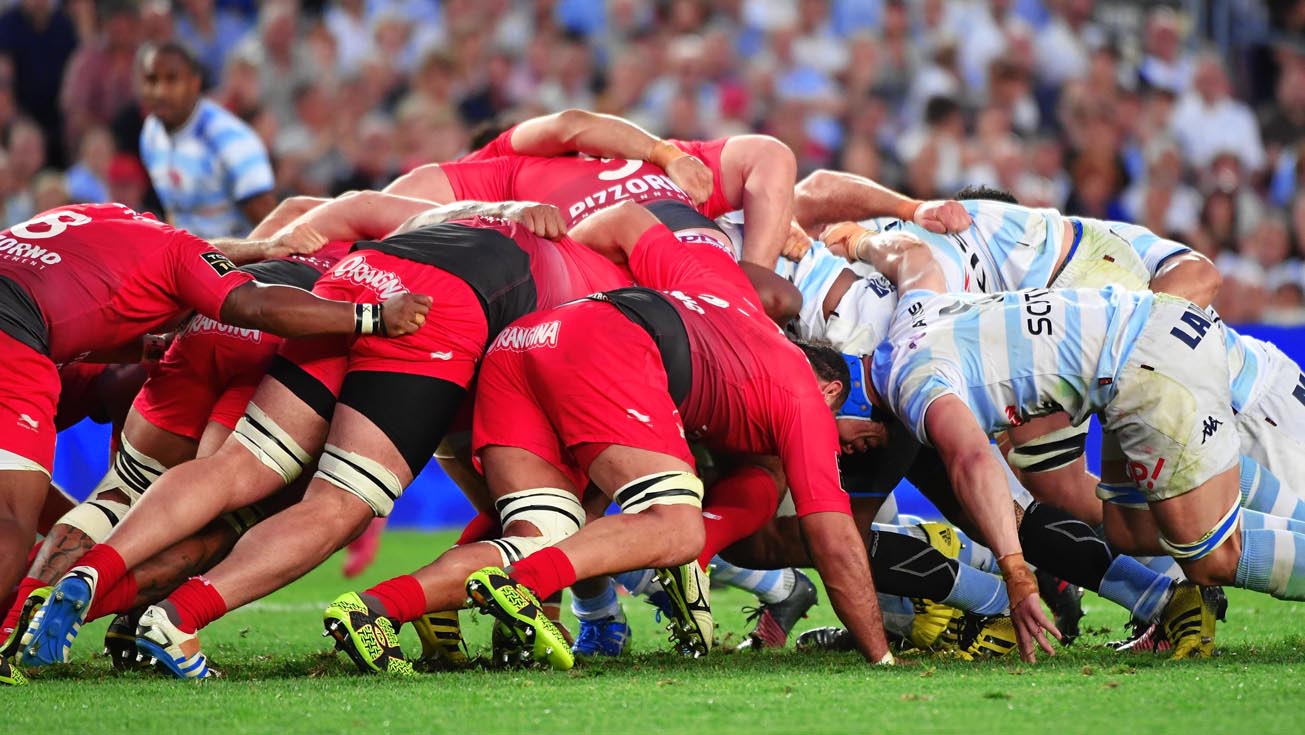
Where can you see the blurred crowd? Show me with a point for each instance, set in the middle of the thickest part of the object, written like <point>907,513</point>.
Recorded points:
<point>1119,110</point>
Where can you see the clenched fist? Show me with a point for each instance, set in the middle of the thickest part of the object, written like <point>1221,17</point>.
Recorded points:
<point>405,313</point>
<point>544,220</point>
<point>693,176</point>
<point>942,216</point>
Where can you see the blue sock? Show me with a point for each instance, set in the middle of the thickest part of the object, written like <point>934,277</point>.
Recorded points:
<point>976,555</point>
<point>1129,583</point>
<point>769,585</point>
<point>605,605</point>
<point>1263,491</point>
<point>978,592</point>
<point>1273,562</point>
<point>1254,521</point>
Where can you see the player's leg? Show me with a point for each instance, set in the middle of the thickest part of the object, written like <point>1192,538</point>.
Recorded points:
<point>270,448</point>
<point>1048,455</point>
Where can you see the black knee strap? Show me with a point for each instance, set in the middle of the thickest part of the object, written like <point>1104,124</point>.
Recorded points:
<point>1060,544</point>
<point>414,411</point>
<point>307,388</point>
<point>905,565</point>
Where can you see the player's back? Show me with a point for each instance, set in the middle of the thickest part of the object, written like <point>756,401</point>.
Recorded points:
<point>1011,356</point>
<point>83,264</point>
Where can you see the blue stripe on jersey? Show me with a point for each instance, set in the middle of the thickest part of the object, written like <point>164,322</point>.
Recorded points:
<point>1247,364</point>
<point>825,263</point>
<point>1019,353</point>
<point>967,339</point>
<point>1069,359</point>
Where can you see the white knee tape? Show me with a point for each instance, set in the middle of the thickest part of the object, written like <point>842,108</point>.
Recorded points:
<point>369,480</point>
<point>1050,451</point>
<point>556,514</point>
<point>19,463</point>
<point>132,472</point>
<point>663,488</point>
<point>271,444</point>
<point>95,518</point>
<point>1213,539</point>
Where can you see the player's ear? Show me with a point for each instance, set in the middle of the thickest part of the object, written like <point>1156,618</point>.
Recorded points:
<point>832,391</point>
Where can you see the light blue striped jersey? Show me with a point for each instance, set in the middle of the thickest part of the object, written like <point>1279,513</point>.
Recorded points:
<point>205,168</point>
<point>1248,359</point>
<point>1150,247</point>
<point>1007,247</point>
<point>860,320</point>
<point>1010,356</point>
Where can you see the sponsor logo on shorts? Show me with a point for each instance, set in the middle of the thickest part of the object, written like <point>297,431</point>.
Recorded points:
<point>1211,425</point>
<point>1013,416</point>
<point>356,270</point>
<point>441,356</point>
<point>1140,473</point>
<point>200,324</point>
<point>520,339</point>
<point>642,418</point>
<point>27,422</point>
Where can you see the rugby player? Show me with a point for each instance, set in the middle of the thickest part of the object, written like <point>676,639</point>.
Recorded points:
<point>83,278</point>
<point>1107,352</point>
<point>190,403</point>
<point>552,415</point>
<point>334,396</point>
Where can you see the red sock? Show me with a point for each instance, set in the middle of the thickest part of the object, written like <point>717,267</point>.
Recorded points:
<point>544,572</point>
<point>736,507</point>
<point>107,563</point>
<point>481,528</point>
<point>119,598</point>
<point>197,603</point>
<point>25,588</point>
<point>402,597</point>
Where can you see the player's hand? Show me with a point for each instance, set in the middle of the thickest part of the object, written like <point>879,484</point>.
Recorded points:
<point>797,244</point>
<point>295,239</point>
<point>544,220</point>
<point>405,313</point>
<point>942,216</point>
<point>1031,625</point>
<point>838,238</point>
<point>693,176</point>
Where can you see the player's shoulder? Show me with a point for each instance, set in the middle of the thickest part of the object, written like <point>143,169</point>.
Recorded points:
<point>212,119</point>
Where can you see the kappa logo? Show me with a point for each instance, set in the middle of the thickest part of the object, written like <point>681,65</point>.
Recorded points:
<point>1211,425</point>
<point>520,339</point>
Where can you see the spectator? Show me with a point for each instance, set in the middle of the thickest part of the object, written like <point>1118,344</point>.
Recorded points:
<point>210,170</point>
<point>210,33</point>
<point>101,76</point>
<point>38,39</point>
<point>87,180</point>
<point>1208,120</point>
<point>49,190</point>
<point>1064,46</point>
<point>1164,64</point>
<point>279,56</point>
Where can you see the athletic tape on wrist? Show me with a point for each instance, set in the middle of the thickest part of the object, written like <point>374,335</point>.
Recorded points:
<point>367,319</point>
<point>1019,581</point>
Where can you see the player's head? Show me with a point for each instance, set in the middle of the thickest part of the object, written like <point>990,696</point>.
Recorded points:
<point>171,80</point>
<point>831,372</point>
<point>990,193</point>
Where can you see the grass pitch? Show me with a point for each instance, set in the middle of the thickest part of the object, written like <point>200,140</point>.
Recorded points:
<point>281,677</point>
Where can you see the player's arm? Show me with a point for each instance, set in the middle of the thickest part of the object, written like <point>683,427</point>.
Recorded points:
<point>833,196</point>
<point>980,487</point>
<point>903,258</point>
<point>284,214</point>
<point>1189,275</point>
<point>544,220</point>
<point>362,215</point>
<point>291,312</point>
<point>757,174</point>
<point>608,136</point>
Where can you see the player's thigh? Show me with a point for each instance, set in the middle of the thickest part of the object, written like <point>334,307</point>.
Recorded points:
<point>1203,524</point>
<point>157,443</point>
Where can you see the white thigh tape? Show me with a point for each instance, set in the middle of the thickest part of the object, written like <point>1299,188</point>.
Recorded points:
<point>271,444</point>
<point>1050,451</point>
<point>369,480</point>
<point>132,471</point>
<point>664,488</point>
<point>555,513</point>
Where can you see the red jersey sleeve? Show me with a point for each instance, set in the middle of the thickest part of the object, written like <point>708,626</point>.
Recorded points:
<point>199,276</point>
<point>807,439</point>
<point>496,148</point>
<point>659,260</point>
<point>709,152</point>
<point>488,180</point>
